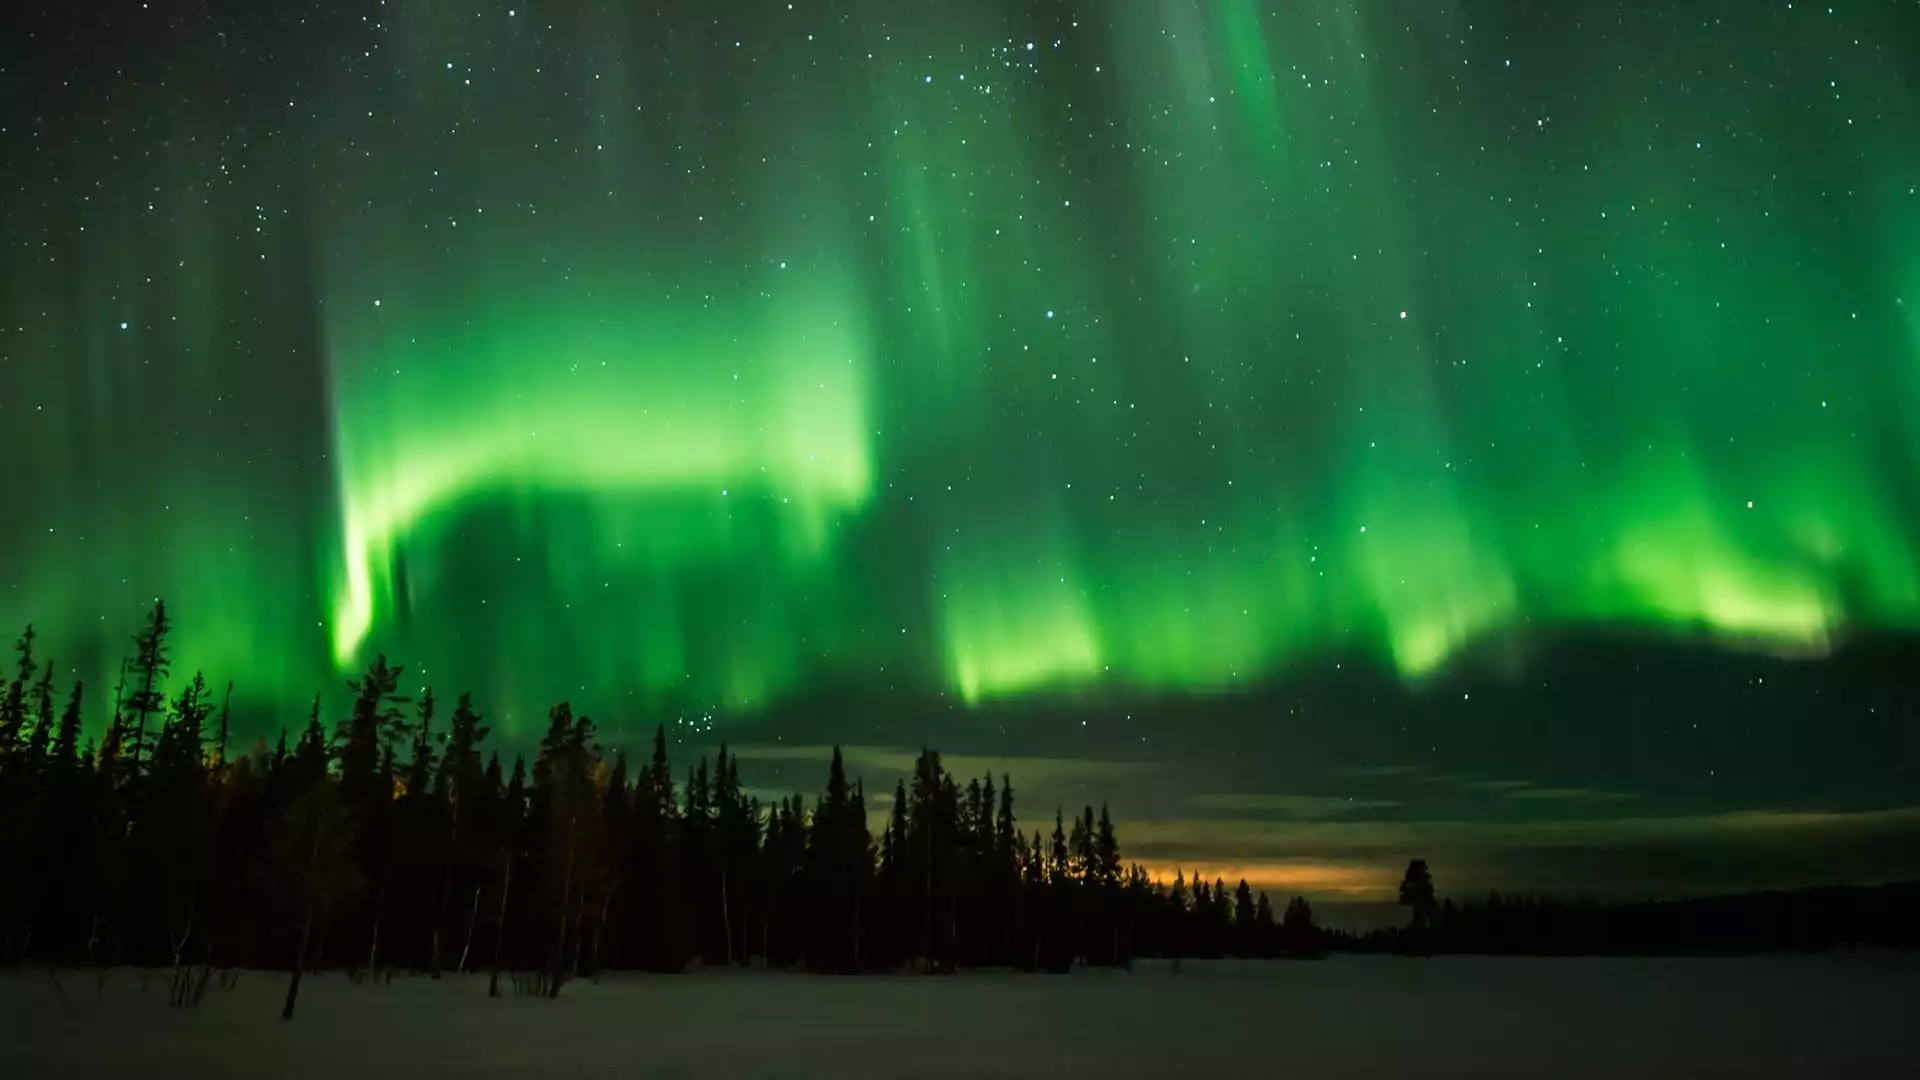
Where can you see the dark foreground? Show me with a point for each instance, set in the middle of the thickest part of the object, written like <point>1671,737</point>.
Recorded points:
<point>1842,1015</point>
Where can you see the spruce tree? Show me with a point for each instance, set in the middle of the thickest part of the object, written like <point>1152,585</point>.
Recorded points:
<point>1416,894</point>
<point>310,757</point>
<point>13,718</point>
<point>1244,940</point>
<point>34,753</point>
<point>1177,932</point>
<point>1302,936</point>
<point>1106,850</point>
<point>66,762</point>
<point>151,665</point>
<point>363,736</point>
<point>460,767</point>
<point>364,749</point>
<point>1263,926</point>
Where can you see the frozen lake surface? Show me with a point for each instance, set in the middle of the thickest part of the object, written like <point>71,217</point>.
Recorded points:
<point>1843,1016</point>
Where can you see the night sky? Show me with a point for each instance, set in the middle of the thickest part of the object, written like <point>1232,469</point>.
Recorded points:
<point>1331,431</point>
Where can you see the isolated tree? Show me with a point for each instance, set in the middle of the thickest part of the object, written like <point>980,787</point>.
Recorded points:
<point>1302,934</point>
<point>1416,894</point>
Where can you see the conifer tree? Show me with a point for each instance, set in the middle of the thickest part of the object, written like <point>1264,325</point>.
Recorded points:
<point>1298,928</point>
<point>567,817</point>
<point>34,755</point>
<point>1244,944</point>
<point>13,709</point>
<point>151,665</point>
<point>310,757</point>
<point>66,762</point>
<point>1416,893</point>
<point>1263,925</point>
<point>364,742</point>
<point>1179,912</point>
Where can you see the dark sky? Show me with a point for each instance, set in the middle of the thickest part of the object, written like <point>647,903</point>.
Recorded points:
<point>1331,432</point>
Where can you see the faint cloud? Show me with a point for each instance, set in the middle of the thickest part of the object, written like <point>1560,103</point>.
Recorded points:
<point>899,761</point>
<point>1570,794</point>
<point>1377,772</point>
<point>768,797</point>
<point>1526,790</point>
<point>1509,786</point>
<point>1303,807</point>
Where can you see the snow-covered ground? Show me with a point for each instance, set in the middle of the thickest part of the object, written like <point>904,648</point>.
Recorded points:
<point>1842,1016</point>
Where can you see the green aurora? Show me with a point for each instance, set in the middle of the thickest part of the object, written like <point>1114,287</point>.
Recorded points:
<point>674,359</point>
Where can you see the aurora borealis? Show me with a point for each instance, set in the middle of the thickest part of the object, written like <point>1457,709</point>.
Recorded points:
<point>690,358</point>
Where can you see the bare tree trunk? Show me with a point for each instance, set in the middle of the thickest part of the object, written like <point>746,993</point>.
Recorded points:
<point>600,932</point>
<point>299,964</point>
<point>93,942</point>
<point>500,932</point>
<point>928,914</point>
<point>373,949</point>
<point>726,920</point>
<point>566,897</point>
<point>440,900</point>
<point>177,987</point>
<point>580,931</point>
<point>473,914</point>
<point>206,973</point>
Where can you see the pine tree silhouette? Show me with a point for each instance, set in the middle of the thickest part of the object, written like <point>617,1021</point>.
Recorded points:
<point>151,665</point>
<point>1302,934</point>
<point>385,843</point>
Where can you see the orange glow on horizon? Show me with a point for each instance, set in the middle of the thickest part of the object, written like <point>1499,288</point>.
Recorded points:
<point>1289,877</point>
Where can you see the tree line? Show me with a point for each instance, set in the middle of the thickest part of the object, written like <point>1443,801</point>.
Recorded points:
<point>396,838</point>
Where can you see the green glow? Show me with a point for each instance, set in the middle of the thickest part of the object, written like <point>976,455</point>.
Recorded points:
<point>603,403</point>
<point>1152,346</point>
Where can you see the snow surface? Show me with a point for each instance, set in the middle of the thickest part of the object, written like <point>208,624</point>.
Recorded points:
<point>1840,1016</point>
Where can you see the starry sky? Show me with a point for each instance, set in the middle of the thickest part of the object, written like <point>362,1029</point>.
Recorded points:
<point>1328,430</point>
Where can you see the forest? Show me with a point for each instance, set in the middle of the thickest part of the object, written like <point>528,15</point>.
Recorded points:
<point>392,839</point>
<point>396,839</point>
